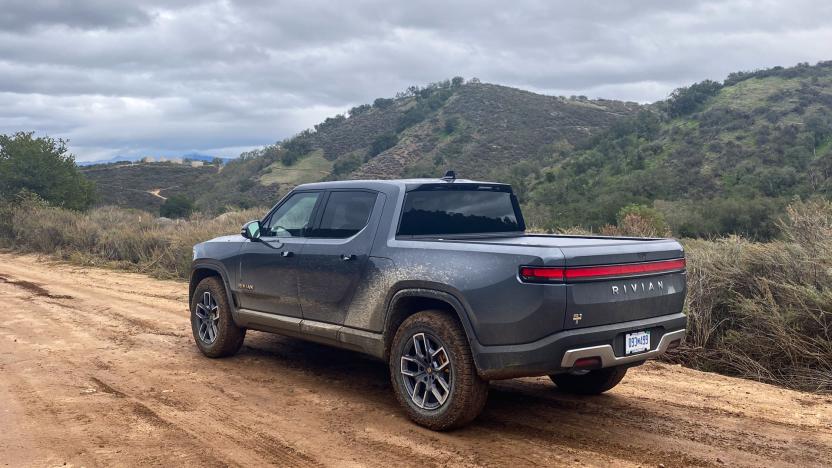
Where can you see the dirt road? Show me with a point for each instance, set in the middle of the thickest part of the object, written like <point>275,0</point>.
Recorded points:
<point>98,368</point>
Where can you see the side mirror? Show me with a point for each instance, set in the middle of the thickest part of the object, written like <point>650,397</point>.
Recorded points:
<point>251,230</point>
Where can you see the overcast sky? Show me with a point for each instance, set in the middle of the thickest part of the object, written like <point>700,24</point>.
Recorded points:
<point>170,77</point>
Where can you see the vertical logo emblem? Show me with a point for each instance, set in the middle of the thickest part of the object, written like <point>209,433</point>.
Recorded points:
<point>577,318</point>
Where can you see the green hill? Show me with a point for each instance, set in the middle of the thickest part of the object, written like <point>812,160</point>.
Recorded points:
<point>714,158</point>
<point>480,130</point>
<point>145,185</point>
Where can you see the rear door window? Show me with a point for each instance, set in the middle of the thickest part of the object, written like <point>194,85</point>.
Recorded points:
<point>346,213</point>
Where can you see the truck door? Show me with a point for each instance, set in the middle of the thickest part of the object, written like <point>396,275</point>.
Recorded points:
<point>268,266</point>
<point>335,254</point>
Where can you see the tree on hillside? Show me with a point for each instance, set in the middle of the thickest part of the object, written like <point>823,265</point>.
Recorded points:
<point>176,206</point>
<point>382,143</point>
<point>45,167</point>
<point>684,101</point>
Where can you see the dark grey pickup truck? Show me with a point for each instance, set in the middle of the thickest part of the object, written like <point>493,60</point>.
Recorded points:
<point>438,278</point>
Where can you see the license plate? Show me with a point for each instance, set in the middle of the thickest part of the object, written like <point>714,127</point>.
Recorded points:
<point>637,342</point>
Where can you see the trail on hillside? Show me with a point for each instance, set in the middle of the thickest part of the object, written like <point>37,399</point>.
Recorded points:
<point>98,368</point>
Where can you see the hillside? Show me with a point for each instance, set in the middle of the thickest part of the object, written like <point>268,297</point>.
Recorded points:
<point>145,185</point>
<point>715,158</point>
<point>480,130</point>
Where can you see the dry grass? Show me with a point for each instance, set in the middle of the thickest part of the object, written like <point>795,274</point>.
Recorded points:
<point>129,239</point>
<point>764,310</point>
<point>756,310</point>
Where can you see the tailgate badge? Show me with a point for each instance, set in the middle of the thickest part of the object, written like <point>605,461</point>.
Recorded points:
<point>577,318</point>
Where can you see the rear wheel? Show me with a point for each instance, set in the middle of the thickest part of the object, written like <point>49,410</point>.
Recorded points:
<point>433,372</point>
<point>215,332</point>
<point>593,382</point>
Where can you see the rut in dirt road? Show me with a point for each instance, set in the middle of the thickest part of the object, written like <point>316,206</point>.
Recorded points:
<point>98,368</point>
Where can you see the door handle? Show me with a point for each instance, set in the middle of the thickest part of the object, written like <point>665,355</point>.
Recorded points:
<point>347,258</point>
<point>286,253</point>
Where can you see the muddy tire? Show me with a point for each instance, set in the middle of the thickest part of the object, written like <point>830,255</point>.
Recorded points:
<point>433,373</point>
<point>214,330</point>
<point>593,382</point>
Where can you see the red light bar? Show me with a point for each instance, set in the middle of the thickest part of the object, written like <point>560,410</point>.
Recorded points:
<point>625,270</point>
<point>558,274</point>
<point>543,274</point>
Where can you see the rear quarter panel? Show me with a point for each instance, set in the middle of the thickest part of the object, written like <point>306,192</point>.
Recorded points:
<point>482,277</point>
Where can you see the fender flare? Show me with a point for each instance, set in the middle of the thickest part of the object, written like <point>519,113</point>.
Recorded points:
<point>220,271</point>
<point>431,291</point>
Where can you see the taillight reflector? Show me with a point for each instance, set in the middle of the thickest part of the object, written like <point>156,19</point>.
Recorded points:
<point>558,274</point>
<point>587,363</point>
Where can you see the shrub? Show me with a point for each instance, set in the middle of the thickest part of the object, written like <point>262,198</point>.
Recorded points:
<point>130,239</point>
<point>638,221</point>
<point>176,206</point>
<point>381,144</point>
<point>347,164</point>
<point>764,310</point>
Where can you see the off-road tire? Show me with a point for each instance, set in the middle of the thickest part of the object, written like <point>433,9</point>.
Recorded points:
<point>468,392</point>
<point>229,336</point>
<point>594,382</point>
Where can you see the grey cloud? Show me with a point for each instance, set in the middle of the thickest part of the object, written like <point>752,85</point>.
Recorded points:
<point>23,15</point>
<point>167,76</point>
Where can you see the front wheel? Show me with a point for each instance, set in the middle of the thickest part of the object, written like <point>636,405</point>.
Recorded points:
<point>215,332</point>
<point>593,382</point>
<point>433,372</point>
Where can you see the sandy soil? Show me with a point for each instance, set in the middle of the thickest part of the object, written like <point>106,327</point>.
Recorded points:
<point>98,368</point>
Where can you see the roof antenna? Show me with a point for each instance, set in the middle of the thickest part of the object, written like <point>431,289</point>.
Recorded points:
<point>450,176</point>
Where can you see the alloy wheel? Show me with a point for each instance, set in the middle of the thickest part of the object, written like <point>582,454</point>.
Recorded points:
<point>427,372</point>
<point>208,317</point>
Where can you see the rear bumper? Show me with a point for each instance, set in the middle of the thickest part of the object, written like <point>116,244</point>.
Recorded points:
<point>557,353</point>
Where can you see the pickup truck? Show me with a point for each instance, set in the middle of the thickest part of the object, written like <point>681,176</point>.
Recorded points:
<point>438,278</point>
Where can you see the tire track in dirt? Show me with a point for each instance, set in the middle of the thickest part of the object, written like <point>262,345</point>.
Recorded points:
<point>99,369</point>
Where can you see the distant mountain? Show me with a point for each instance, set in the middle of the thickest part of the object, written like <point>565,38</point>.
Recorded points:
<point>187,156</point>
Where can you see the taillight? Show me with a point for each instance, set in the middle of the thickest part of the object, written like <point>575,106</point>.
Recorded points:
<point>561,274</point>
<point>541,274</point>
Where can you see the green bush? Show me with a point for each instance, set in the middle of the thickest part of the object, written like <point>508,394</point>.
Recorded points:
<point>347,164</point>
<point>381,144</point>
<point>176,206</point>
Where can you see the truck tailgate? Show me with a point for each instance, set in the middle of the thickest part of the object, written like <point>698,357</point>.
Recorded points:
<point>601,302</point>
<point>625,297</point>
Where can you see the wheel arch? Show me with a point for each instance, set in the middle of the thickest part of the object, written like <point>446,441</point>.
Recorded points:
<point>408,301</point>
<point>202,271</point>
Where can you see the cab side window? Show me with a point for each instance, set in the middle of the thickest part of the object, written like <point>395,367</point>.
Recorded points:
<point>346,213</point>
<point>293,217</point>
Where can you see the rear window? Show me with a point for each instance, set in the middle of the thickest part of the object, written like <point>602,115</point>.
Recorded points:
<point>458,209</point>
